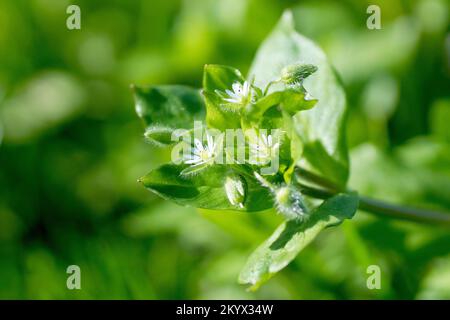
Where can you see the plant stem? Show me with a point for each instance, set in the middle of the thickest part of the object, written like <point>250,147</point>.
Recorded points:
<point>328,189</point>
<point>315,192</point>
<point>400,212</point>
<point>316,179</point>
<point>266,90</point>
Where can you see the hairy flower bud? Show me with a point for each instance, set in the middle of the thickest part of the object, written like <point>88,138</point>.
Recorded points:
<point>235,189</point>
<point>289,203</point>
<point>296,73</point>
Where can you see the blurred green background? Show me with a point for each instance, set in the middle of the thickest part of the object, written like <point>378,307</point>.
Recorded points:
<point>72,149</point>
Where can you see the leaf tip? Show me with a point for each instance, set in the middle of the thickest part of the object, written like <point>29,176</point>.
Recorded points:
<point>287,19</point>
<point>253,283</point>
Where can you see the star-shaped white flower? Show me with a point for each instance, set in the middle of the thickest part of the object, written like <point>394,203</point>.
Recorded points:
<point>202,154</point>
<point>241,94</point>
<point>262,149</point>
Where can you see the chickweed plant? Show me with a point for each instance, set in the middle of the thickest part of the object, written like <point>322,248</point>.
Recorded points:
<point>274,141</point>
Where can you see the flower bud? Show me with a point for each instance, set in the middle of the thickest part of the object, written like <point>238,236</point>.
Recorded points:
<point>296,73</point>
<point>235,189</point>
<point>289,203</point>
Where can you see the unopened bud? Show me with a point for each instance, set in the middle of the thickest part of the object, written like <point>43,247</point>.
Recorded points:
<point>289,203</point>
<point>296,73</point>
<point>235,189</point>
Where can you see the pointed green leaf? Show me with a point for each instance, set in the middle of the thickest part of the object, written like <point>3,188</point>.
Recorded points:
<point>204,189</point>
<point>221,78</point>
<point>166,108</point>
<point>216,80</point>
<point>218,115</point>
<point>320,129</point>
<point>292,236</point>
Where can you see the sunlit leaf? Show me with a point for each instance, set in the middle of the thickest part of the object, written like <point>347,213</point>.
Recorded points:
<point>217,80</point>
<point>218,115</point>
<point>321,129</point>
<point>167,108</point>
<point>291,100</point>
<point>292,236</point>
<point>221,78</point>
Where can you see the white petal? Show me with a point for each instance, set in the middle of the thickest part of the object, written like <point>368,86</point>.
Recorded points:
<point>237,87</point>
<point>188,157</point>
<point>246,88</point>
<point>230,93</point>
<point>198,145</point>
<point>193,161</point>
<point>210,141</point>
<point>240,188</point>
<point>231,100</point>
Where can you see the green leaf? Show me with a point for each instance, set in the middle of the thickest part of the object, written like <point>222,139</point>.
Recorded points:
<point>291,100</point>
<point>292,236</point>
<point>205,189</point>
<point>321,129</point>
<point>216,80</point>
<point>218,116</point>
<point>167,108</point>
<point>221,78</point>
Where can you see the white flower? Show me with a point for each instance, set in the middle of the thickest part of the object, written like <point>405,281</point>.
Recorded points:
<point>241,94</point>
<point>202,154</point>
<point>262,149</point>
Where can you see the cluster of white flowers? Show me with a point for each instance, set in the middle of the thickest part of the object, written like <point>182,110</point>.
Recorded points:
<point>262,149</point>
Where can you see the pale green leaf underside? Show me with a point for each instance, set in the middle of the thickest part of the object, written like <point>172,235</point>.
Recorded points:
<point>291,237</point>
<point>321,128</point>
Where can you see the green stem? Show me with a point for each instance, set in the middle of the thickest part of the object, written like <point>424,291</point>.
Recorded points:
<point>370,205</point>
<point>400,212</point>
<point>266,90</point>
<point>316,179</point>
<point>315,192</point>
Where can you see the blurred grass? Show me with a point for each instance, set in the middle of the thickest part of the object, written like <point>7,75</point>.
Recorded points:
<point>72,149</point>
